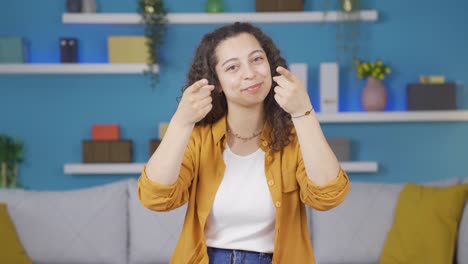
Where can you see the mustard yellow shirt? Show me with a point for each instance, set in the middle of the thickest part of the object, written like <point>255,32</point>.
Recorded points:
<point>201,173</point>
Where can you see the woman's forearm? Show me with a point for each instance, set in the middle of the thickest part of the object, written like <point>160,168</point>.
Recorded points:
<point>164,165</point>
<point>320,162</point>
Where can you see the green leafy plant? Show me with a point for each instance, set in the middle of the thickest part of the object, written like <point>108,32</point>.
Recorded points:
<point>11,154</point>
<point>154,17</point>
<point>376,69</point>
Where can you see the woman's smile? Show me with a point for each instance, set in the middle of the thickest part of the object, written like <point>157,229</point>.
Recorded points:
<point>253,88</point>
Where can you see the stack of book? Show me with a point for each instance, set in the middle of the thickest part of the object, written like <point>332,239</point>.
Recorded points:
<point>106,146</point>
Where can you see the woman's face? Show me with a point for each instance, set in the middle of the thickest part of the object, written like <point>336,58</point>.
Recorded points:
<point>243,70</point>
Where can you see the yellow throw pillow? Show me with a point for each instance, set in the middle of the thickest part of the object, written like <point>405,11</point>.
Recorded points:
<point>425,226</point>
<point>11,250</point>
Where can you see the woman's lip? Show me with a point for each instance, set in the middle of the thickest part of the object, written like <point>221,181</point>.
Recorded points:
<point>254,87</point>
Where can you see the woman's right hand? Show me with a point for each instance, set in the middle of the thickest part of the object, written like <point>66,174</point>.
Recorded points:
<point>195,103</point>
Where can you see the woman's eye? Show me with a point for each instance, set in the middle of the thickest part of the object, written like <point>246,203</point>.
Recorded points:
<point>231,68</point>
<point>258,59</point>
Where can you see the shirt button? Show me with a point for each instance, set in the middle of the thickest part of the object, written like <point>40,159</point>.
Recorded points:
<point>278,204</point>
<point>265,143</point>
<point>271,182</point>
<point>269,158</point>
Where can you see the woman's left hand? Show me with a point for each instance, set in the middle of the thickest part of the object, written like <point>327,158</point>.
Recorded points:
<point>291,93</point>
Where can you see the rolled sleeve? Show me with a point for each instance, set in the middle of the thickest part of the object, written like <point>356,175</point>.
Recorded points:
<point>160,197</point>
<point>153,187</point>
<point>324,197</point>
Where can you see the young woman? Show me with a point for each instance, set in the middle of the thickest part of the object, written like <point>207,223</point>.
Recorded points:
<point>246,151</point>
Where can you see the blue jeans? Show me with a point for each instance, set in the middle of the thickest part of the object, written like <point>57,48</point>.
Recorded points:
<point>228,256</point>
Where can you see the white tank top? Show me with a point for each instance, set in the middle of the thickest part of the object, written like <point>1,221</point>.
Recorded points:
<point>243,214</point>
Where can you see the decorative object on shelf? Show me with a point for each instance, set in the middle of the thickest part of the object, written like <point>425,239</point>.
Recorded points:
<point>88,6</point>
<point>431,79</point>
<point>341,147</point>
<point>105,132</point>
<point>68,50</point>
<point>107,151</point>
<point>106,146</point>
<point>439,96</point>
<point>349,5</point>
<point>127,49</point>
<point>214,6</point>
<point>329,87</point>
<point>153,14</point>
<point>11,155</point>
<point>374,94</point>
<point>376,69</point>
<point>279,5</point>
<point>12,50</point>
<point>73,6</point>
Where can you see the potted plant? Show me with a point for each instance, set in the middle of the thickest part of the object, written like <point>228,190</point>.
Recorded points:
<point>374,94</point>
<point>153,14</point>
<point>11,154</point>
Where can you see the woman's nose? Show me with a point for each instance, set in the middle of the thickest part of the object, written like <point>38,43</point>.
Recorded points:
<point>249,72</point>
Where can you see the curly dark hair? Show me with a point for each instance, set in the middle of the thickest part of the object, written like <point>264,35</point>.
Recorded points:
<point>203,66</point>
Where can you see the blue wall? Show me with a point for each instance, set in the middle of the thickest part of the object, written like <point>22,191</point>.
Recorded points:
<point>54,113</point>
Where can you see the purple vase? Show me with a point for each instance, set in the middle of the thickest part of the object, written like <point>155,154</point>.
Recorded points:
<point>374,95</point>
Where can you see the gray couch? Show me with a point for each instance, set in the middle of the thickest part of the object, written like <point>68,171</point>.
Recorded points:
<point>108,225</point>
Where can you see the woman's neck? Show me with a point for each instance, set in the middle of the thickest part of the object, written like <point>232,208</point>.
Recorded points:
<point>246,121</point>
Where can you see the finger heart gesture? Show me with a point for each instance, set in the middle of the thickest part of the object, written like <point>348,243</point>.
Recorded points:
<point>196,102</point>
<point>291,93</point>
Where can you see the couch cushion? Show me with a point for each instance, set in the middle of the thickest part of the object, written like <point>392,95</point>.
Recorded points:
<point>425,225</point>
<point>153,235</point>
<point>355,231</point>
<point>11,249</point>
<point>462,246</point>
<point>80,226</point>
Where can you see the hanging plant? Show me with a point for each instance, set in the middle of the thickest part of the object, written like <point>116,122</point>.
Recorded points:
<point>348,31</point>
<point>153,15</point>
<point>347,28</point>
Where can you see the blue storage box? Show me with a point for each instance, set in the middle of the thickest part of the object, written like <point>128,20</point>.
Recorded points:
<point>12,50</point>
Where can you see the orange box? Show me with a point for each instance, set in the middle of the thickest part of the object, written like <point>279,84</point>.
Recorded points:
<point>105,132</point>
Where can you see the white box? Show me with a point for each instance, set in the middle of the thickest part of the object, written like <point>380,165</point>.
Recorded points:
<point>328,92</point>
<point>300,70</point>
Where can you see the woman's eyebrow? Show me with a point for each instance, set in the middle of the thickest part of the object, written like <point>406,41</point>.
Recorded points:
<point>231,59</point>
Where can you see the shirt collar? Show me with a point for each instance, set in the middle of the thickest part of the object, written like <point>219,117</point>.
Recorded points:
<point>219,129</point>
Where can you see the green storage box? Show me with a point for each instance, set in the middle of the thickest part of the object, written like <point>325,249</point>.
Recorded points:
<point>12,50</point>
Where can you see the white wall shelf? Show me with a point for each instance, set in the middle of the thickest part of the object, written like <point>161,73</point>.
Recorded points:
<point>73,68</point>
<point>395,116</point>
<point>360,166</point>
<point>206,18</point>
<point>103,168</point>
<point>135,168</point>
